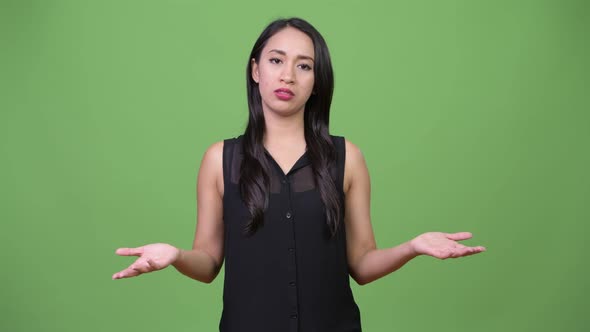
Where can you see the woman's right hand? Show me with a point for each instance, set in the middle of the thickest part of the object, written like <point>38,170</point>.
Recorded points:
<point>152,257</point>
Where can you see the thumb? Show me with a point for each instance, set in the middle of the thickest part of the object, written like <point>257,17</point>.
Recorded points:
<point>129,251</point>
<point>459,236</point>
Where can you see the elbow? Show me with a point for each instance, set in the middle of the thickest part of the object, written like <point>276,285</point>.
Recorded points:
<point>361,282</point>
<point>204,276</point>
<point>360,279</point>
<point>210,277</point>
<point>360,273</point>
<point>206,279</point>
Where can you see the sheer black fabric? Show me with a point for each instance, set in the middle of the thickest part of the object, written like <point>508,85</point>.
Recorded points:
<point>291,275</point>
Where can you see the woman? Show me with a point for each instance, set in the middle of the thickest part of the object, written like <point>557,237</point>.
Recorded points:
<point>286,205</point>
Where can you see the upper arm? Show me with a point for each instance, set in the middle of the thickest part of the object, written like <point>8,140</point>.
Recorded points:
<point>209,234</point>
<point>357,219</point>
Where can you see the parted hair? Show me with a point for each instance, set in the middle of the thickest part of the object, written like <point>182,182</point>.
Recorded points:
<point>254,182</point>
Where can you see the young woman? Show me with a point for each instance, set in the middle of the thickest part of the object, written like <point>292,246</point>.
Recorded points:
<point>286,205</point>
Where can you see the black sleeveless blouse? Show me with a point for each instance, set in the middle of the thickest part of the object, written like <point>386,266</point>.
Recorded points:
<point>291,275</point>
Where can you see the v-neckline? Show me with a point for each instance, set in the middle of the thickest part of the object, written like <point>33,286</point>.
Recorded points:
<point>281,170</point>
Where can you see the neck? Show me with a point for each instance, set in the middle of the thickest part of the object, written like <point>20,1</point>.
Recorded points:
<point>284,131</point>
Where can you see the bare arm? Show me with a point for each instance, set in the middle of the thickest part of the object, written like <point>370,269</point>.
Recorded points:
<point>366,262</point>
<point>204,261</point>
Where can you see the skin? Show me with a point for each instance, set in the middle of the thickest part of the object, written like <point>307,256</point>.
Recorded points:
<point>287,62</point>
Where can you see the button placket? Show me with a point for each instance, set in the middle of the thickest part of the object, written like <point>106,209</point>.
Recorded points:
<point>291,282</point>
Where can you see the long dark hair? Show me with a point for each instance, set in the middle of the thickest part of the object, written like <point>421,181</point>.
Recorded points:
<point>254,179</point>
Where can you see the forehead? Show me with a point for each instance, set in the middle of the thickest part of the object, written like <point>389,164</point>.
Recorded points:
<point>292,41</point>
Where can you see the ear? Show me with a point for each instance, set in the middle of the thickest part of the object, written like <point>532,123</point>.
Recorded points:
<point>255,74</point>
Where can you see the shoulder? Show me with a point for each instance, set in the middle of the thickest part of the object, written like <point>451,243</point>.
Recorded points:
<point>353,152</point>
<point>354,164</point>
<point>214,153</point>
<point>354,155</point>
<point>211,169</point>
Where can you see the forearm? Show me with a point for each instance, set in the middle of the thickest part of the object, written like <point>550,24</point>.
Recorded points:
<point>377,263</point>
<point>197,264</point>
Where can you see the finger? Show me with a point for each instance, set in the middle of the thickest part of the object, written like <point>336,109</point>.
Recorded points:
<point>152,265</point>
<point>478,249</point>
<point>127,273</point>
<point>142,266</point>
<point>129,251</point>
<point>468,251</point>
<point>465,251</point>
<point>459,236</point>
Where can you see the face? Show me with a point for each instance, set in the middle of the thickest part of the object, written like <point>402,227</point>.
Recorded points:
<point>285,72</point>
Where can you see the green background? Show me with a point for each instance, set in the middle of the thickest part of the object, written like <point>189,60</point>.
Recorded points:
<point>472,115</point>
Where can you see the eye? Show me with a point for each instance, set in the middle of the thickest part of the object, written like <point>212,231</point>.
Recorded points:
<point>305,66</point>
<point>274,60</point>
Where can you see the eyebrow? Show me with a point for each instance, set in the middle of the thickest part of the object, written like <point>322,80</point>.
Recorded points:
<point>285,53</point>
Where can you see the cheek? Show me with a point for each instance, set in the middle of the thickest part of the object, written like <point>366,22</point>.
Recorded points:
<point>264,86</point>
<point>309,83</point>
<point>264,79</point>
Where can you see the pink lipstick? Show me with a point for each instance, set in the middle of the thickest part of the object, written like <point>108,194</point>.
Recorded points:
<point>284,94</point>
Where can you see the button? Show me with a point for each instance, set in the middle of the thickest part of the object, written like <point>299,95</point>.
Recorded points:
<point>291,249</point>
<point>293,316</point>
<point>284,181</point>
<point>288,215</point>
<point>292,283</point>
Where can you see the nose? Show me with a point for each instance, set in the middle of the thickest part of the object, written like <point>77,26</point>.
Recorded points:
<point>288,75</point>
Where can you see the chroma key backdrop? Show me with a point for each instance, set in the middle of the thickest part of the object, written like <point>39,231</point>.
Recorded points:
<point>471,115</point>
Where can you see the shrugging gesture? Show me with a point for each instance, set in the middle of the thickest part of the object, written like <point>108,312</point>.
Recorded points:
<point>368,263</point>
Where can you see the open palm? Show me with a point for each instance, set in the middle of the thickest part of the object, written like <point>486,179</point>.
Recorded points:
<point>152,257</point>
<point>444,245</point>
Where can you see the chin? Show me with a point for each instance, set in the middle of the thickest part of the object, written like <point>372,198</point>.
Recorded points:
<point>284,109</point>
<point>285,112</point>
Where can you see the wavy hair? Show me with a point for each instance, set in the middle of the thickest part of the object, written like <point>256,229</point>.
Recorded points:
<point>254,180</point>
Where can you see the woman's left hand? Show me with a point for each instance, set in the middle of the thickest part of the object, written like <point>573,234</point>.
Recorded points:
<point>444,245</point>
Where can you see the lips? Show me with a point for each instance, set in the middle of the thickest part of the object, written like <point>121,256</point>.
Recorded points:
<point>284,94</point>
